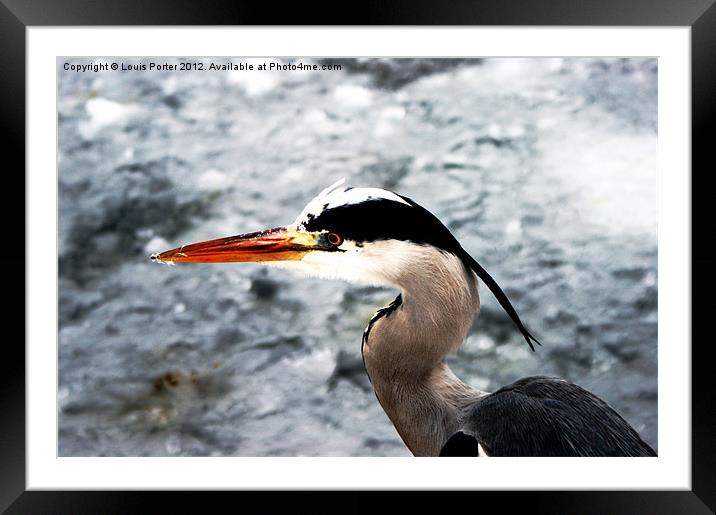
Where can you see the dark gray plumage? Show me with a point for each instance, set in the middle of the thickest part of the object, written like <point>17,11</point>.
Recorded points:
<point>543,416</point>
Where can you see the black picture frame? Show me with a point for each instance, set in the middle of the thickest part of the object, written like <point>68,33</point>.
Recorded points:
<point>17,15</point>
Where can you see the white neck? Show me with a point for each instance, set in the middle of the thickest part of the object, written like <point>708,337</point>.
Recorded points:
<point>405,350</point>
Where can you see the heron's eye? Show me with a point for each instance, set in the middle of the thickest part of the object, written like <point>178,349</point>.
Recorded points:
<point>334,238</point>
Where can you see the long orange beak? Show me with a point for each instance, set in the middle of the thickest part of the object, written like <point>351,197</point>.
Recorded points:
<point>280,244</point>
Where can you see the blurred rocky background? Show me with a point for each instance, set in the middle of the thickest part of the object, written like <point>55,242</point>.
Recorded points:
<point>544,169</point>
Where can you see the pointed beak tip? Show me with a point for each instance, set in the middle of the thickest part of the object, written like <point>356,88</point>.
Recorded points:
<point>162,258</point>
<point>158,257</point>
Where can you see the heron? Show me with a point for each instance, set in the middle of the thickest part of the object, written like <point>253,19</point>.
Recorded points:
<point>376,236</point>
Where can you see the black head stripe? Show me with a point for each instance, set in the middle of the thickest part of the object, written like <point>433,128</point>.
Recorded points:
<point>382,219</point>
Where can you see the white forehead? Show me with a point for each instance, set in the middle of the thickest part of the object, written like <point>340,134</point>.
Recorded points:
<point>336,196</point>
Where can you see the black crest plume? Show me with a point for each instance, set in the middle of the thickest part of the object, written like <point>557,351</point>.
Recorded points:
<point>447,241</point>
<point>500,296</point>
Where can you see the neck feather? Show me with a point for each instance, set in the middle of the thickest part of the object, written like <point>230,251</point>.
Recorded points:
<point>405,349</point>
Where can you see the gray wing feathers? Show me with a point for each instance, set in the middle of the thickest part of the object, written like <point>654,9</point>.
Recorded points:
<point>542,416</point>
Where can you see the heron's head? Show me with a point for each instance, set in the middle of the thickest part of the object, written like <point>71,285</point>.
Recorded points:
<point>368,235</point>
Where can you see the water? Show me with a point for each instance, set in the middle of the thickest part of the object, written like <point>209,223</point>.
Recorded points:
<point>544,169</point>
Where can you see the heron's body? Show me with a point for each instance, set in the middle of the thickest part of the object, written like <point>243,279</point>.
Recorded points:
<point>376,236</point>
